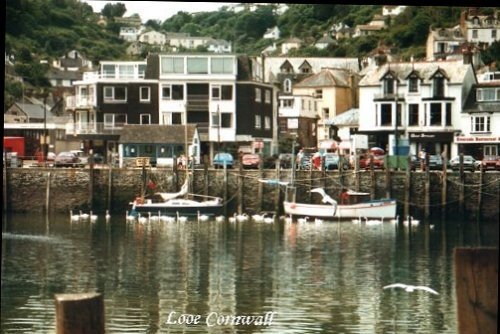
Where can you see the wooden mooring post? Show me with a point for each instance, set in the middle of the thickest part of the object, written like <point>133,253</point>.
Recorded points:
<point>476,285</point>
<point>80,313</point>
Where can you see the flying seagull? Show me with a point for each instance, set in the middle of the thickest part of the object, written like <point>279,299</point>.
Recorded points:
<point>411,288</point>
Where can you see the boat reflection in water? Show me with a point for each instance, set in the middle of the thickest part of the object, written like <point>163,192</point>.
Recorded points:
<point>300,278</point>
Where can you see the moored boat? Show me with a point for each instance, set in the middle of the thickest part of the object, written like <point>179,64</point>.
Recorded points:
<point>382,208</point>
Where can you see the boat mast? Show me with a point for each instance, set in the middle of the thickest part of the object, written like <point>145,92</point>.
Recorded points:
<point>292,177</point>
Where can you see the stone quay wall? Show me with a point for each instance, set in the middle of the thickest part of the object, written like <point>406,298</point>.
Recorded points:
<point>420,194</point>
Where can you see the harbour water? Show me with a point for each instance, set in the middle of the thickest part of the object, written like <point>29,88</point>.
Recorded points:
<point>196,277</point>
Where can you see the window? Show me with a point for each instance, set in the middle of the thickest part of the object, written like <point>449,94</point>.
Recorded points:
<point>413,115</point>
<point>114,120</point>
<point>413,84</point>
<point>197,65</point>
<point>115,94</point>
<point>389,86</point>
<point>474,33</point>
<point>318,94</point>
<point>448,114</point>
<point>145,119</point>
<point>215,119</point>
<point>487,94</point>
<point>386,114</point>
<point>267,123</point>
<point>108,71</point>
<point>173,92</point>
<point>288,103</point>
<point>142,70</point>
<point>258,122</point>
<point>490,150</point>
<point>480,124</point>
<point>145,94</point>
<point>258,95</point>
<point>326,113</point>
<point>126,71</point>
<point>438,86</point>
<point>172,118</point>
<point>223,65</point>
<point>171,65</point>
<point>287,86</point>
<point>223,92</point>
<point>268,96</point>
<point>435,114</point>
<point>494,34</point>
<point>226,120</point>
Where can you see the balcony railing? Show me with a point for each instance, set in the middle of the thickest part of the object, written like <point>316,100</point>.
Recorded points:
<point>197,102</point>
<point>73,102</point>
<point>385,96</point>
<point>94,128</point>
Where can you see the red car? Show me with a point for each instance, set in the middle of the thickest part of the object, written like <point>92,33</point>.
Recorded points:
<point>490,162</point>
<point>378,162</point>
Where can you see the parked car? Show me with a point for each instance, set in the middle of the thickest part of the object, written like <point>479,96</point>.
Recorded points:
<point>286,160</point>
<point>378,162</point>
<point>491,162</point>
<point>469,163</point>
<point>221,159</point>
<point>331,161</point>
<point>250,160</point>
<point>435,162</point>
<point>305,161</point>
<point>67,159</point>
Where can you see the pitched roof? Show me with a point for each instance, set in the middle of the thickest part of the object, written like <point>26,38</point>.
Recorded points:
<point>455,71</point>
<point>327,77</point>
<point>347,118</point>
<point>157,134</point>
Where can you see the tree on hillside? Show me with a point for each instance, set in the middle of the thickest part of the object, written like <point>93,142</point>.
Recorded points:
<point>113,10</point>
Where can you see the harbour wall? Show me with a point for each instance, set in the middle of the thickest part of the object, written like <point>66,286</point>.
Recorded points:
<point>421,194</point>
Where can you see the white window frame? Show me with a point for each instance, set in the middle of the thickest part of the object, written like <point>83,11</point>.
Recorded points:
<point>267,123</point>
<point>145,116</point>
<point>287,83</point>
<point>480,124</point>
<point>167,117</point>
<point>258,94</point>
<point>141,97</point>
<point>268,96</point>
<point>111,98</point>
<point>258,122</point>
<point>110,120</point>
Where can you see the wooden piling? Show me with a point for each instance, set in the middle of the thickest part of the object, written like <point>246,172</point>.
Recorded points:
<point>372,178</point>
<point>110,187</point>
<point>91,184</point>
<point>47,195</point>
<point>406,206</point>
<point>81,313</point>
<point>260,185</point>
<point>444,184</point>
<point>427,187</point>
<point>461,193</point>
<point>240,188</point>
<point>387,179</point>
<point>277,190</point>
<point>479,193</point>
<point>205,175</point>
<point>476,286</point>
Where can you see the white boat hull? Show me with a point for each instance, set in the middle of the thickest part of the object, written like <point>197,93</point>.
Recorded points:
<point>372,209</point>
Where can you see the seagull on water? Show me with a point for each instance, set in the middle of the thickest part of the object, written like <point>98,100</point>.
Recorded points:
<point>411,288</point>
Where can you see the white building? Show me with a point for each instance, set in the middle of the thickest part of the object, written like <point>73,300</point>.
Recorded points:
<point>199,89</point>
<point>480,118</point>
<point>420,102</point>
<point>272,33</point>
<point>482,30</point>
<point>129,34</point>
<point>153,38</point>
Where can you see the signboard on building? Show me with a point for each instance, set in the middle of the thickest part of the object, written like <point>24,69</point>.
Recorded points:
<point>476,140</point>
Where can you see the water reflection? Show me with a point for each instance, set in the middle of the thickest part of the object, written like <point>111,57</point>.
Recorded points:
<point>158,277</point>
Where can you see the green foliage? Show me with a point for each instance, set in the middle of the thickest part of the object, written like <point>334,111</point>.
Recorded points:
<point>113,10</point>
<point>492,55</point>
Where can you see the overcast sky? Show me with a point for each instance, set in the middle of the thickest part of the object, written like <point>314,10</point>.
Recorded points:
<point>159,10</point>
